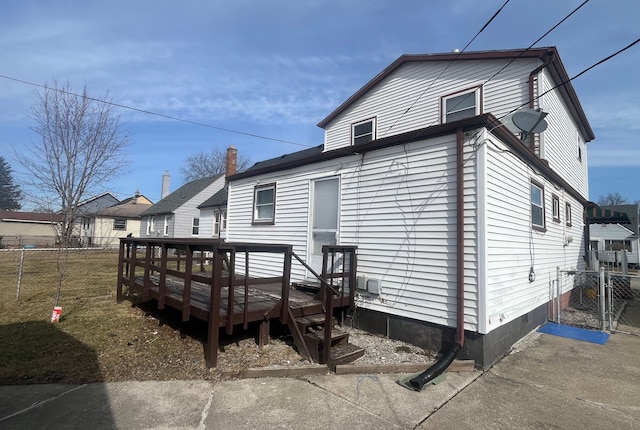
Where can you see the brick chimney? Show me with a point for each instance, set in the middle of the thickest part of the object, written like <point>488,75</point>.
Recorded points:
<point>232,161</point>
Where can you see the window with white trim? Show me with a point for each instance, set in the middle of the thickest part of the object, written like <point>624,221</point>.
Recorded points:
<point>219,222</point>
<point>120,224</point>
<point>363,131</point>
<point>166,225</point>
<point>567,214</point>
<point>555,204</point>
<point>460,105</point>
<point>264,204</point>
<point>150,222</point>
<point>537,206</point>
<point>580,144</point>
<point>195,227</point>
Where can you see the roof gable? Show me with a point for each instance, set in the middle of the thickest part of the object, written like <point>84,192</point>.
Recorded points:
<point>548,56</point>
<point>180,196</point>
<point>217,200</point>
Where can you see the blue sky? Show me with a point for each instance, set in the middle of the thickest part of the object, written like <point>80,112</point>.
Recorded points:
<point>277,68</point>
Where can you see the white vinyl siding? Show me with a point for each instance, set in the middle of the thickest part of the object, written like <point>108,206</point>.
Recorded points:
<point>559,143</point>
<point>399,211</point>
<point>513,246</point>
<point>390,99</point>
<point>182,219</point>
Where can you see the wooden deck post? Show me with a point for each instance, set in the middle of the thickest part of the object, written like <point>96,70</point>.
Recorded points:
<point>146,279</point>
<point>186,292</point>
<point>213,335</point>
<point>132,267</point>
<point>120,269</point>
<point>286,284</point>
<point>328,307</point>
<point>162,287</point>
<point>231,301</point>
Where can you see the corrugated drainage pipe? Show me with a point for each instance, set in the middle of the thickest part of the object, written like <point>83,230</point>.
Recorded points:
<point>436,370</point>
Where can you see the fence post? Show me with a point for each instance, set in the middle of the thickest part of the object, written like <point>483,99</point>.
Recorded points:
<point>20,275</point>
<point>558,293</point>
<point>610,306</point>
<point>602,299</point>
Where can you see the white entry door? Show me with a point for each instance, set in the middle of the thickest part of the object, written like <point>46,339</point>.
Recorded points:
<point>324,218</point>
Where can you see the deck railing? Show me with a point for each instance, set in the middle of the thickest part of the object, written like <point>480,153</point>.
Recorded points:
<point>145,266</point>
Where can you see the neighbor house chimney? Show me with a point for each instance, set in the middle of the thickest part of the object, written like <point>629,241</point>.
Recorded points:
<point>165,185</point>
<point>232,161</point>
<point>136,196</point>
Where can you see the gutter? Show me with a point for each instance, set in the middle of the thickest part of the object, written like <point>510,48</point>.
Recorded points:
<point>418,382</point>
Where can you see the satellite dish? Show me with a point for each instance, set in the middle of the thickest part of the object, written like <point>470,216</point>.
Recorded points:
<point>529,121</point>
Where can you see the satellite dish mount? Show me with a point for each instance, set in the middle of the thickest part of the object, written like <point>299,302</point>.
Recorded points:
<point>529,121</point>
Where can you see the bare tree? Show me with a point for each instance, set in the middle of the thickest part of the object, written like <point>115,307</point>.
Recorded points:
<point>80,148</point>
<point>206,164</point>
<point>611,199</point>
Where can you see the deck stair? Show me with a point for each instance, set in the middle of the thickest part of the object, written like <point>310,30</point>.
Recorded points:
<point>309,337</point>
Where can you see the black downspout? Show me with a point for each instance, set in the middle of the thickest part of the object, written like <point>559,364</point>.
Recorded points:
<point>447,358</point>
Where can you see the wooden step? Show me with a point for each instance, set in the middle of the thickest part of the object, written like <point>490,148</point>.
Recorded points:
<point>344,354</point>
<point>338,337</point>
<point>309,320</point>
<point>311,287</point>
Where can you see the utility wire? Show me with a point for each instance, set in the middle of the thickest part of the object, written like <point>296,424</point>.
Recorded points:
<point>535,42</point>
<point>604,60</point>
<point>161,115</point>
<point>448,65</point>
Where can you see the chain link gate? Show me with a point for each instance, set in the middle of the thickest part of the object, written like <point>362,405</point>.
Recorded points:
<point>602,300</point>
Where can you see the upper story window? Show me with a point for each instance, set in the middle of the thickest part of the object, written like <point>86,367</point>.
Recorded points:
<point>567,214</point>
<point>363,131</point>
<point>195,227</point>
<point>120,224</point>
<point>555,202</point>
<point>264,204</point>
<point>461,105</point>
<point>580,144</point>
<point>537,206</point>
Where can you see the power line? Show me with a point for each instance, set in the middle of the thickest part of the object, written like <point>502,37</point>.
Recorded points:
<point>519,56</point>
<point>448,65</point>
<point>604,60</point>
<point>161,115</point>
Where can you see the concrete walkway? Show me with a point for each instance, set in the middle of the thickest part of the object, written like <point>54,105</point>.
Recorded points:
<point>548,382</point>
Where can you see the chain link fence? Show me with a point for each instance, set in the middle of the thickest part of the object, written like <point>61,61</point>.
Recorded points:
<point>26,274</point>
<point>604,300</point>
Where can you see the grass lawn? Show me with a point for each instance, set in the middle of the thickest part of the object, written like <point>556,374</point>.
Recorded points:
<point>97,339</point>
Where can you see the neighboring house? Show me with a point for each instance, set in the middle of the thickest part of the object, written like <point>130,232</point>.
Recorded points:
<point>20,229</point>
<point>177,214</point>
<point>213,211</point>
<point>105,227</point>
<point>87,207</point>
<point>213,216</point>
<point>96,203</point>
<point>609,239</point>
<point>459,221</point>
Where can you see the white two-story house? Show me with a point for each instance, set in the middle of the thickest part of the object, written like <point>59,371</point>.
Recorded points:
<point>460,218</point>
<point>177,214</point>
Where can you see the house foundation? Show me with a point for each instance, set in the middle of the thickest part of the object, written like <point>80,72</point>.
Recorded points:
<point>484,349</point>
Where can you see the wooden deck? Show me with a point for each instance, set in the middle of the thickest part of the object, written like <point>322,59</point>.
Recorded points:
<point>174,273</point>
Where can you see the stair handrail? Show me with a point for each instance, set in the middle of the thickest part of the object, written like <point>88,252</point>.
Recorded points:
<point>313,272</point>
